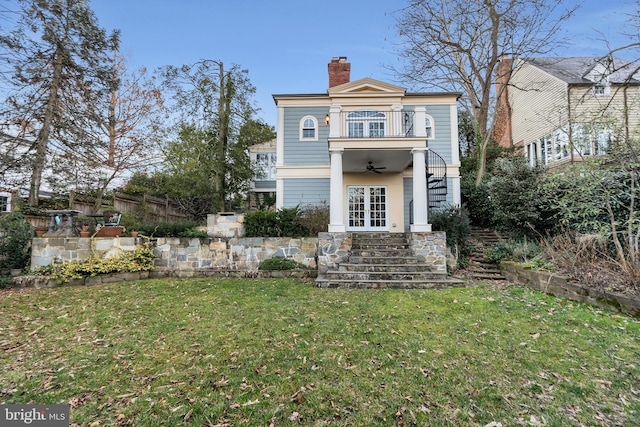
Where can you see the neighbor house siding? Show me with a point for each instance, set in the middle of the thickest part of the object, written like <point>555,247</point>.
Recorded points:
<point>305,191</point>
<point>539,103</point>
<point>408,197</point>
<point>305,153</point>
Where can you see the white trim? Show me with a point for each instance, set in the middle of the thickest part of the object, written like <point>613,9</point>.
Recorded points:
<point>456,197</point>
<point>303,172</point>
<point>455,143</point>
<point>301,128</point>
<point>280,139</point>
<point>279,193</point>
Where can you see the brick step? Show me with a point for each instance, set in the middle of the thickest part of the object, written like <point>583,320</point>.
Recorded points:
<point>439,283</point>
<point>487,276</point>
<point>416,267</point>
<point>481,264</point>
<point>403,246</point>
<point>381,253</point>
<point>383,275</point>
<point>383,260</point>
<point>378,236</point>
<point>480,270</point>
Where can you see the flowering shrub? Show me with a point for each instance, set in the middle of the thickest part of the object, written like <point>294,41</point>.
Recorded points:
<point>141,259</point>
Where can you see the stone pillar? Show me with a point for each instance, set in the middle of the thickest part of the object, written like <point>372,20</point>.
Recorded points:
<point>336,205</point>
<point>420,202</point>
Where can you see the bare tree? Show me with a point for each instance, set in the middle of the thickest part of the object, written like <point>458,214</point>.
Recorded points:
<point>458,44</point>
<point>55,64</point>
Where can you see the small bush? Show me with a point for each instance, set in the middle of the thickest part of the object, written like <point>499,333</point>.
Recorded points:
<point>15,241</point>
<point>315,218</point>
<point>516,250</point>
<point>538,263</point>
<point>141,259</point>
<point>281,223</point>
<point>453,220</point>
<point>5,281</point>
<point>478,201</point>
<point>170,229</point>
<point>279,263</point>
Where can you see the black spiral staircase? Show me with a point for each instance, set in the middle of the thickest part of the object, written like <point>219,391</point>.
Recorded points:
<point>436,182</point>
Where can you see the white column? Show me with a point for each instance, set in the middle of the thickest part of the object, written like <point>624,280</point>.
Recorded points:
<point>455,141</point>
<point>419,121</point>
<point>420,204</point>
<point>336,196</point>
<point>280,159</point>
<point>455,191</point>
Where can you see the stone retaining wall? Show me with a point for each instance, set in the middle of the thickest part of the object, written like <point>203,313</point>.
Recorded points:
<point>232,254</point>
<point>180,253</point>
<point>52,250</point>
<point>558,285</point>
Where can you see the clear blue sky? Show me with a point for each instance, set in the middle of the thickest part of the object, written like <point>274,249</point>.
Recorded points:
<point>286,44</point>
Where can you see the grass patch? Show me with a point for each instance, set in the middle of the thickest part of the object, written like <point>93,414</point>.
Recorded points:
<point>280,352</point>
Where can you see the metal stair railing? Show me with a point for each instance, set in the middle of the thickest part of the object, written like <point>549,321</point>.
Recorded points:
<point>436,182</point>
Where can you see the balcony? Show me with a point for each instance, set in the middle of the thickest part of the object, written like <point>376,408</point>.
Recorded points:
<point>374,124</point>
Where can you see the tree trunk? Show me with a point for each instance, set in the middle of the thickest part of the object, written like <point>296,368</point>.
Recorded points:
<point>42,141</point>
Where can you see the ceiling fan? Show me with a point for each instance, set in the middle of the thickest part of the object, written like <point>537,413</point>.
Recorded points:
<point>371,168</point>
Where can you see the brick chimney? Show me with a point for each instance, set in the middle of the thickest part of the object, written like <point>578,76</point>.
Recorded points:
<point>339,71</point>
<point>502,130</point>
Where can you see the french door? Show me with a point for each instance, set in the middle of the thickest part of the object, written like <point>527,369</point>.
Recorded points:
<point>367,208</point>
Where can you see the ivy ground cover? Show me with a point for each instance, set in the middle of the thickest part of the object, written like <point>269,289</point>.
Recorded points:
<point>283,353</point>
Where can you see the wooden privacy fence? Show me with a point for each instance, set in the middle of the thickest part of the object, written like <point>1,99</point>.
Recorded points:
<point>146,208</point>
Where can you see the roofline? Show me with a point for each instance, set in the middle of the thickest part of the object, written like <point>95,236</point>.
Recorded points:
<point>277,96</point>
<point>456,94</point>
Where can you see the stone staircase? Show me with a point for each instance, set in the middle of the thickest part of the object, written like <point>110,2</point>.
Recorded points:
<point>482,239</point>
<point>385,260</point>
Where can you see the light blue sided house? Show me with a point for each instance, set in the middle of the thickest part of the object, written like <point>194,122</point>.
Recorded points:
<point>381,157</point>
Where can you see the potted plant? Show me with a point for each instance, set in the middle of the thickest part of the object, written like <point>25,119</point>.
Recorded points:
<point>84,224</point>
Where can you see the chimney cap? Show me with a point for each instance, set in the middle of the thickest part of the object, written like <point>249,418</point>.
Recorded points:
<point>341,59</point>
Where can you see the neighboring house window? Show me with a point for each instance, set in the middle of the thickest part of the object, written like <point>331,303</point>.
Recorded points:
<point>581,134</point>
<point>309,128</point>
<point>5,202</point>
<point>366,124</point>
<point>601,86</point>
<point>561,144</point>
<point>266,167</point>
<point>546,149</point>
<point>429,126</point>
<point>603,138</point>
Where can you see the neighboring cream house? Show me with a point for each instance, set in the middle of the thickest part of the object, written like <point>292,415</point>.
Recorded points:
<point>564,109</point>
<point>378,155</point>
<point>263,187</point>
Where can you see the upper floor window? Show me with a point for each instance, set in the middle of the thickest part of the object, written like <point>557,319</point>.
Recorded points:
<point>309,128</point>
<point>429,126</point>
<point>5,202</point>
<point>601,86</point>
<point>366,124</point>
<point>265,166</point>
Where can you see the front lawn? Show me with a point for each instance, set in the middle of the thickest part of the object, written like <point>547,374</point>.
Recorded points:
<point>281,352</point>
